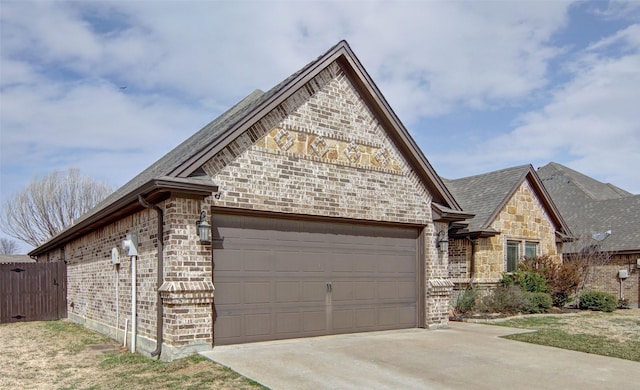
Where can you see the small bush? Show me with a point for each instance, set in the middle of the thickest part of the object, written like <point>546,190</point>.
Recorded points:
<point>466,301</point>
<point>598,301</point>
<point>533,282</point>
<point>529,281</point>
<point>505,299</point>
<point>539,302</point>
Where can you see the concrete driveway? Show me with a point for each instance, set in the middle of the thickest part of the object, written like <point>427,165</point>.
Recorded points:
<point>464,356</point>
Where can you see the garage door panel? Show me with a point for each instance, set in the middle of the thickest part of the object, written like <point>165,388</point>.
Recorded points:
<point>228,293</point>
<point>229,326</point>
<point>342,291</point>
<point>272,276</point>
<point>365,289</point>
<point>366,318</point>
<point>314,320</point>
<point>405,315</point>
<point>343,320</point>
<point>257,324</point>
<point>388,289</point>
<point>313,262</point>
<point>407,289</point>
<point>256,260</point>
<point>314,291</point>
<point>228,260</point>
<point>287,261</point>
<point>257,292</point>
<point>287,292</point>
<point>288,322</point>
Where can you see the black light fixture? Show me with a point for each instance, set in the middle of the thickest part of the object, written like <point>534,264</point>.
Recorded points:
<point>204,229</point>
<point>441,242</point>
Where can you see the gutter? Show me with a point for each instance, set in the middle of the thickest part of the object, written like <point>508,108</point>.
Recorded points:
<point>160,274</point>
<point>126,205</point>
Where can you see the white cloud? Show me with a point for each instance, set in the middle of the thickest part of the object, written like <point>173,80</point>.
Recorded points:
<point>185,62</point>
<point>593,118</point>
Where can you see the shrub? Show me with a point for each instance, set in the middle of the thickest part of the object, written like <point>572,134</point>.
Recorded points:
<point>505,299</point>
<point>466,301</point>
<point>562,279</point>
<point>532,282</point>
<point>539,302</point>
<point>598,301</point>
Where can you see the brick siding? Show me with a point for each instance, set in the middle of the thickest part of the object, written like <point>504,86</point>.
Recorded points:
<point>321,152</point>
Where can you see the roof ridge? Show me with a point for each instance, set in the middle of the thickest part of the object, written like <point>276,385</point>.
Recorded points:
<point>514,168</point>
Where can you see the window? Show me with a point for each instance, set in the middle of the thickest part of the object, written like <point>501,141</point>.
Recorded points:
<point>530,250</point>
<point>513,253</point>
<point>513,249</point>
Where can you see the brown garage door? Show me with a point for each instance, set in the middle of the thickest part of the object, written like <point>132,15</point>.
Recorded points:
<point>279,278</point>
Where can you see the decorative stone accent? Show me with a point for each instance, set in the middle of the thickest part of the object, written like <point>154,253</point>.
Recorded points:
<point>382,157</point>
<point>352,152</point>
<point>441,284</point>
<point>319,146</point>
<point>284,139</point>
<point>187,293</point>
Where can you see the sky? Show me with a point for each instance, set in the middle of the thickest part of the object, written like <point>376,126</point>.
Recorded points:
<point>110,87</point>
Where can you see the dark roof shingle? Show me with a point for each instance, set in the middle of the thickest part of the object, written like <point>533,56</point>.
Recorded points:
<point>590,206</point>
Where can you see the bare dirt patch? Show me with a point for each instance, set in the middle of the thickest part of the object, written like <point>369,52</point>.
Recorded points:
<point>62,355</point>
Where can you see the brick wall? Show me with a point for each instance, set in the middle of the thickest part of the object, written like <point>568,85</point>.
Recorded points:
<point>92,278</point>
<point>323,152</point>
<point>187,291</point>
<point>605,278</point>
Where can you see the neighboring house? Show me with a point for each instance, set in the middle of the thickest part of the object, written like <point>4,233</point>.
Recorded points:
<point>324,214</point>
<point>605,218</point>
<point>9,259</point>
<point>514,218</point>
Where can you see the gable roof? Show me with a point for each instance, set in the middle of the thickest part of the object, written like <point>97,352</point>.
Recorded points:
<point>590,206</point>
<point>485,195</point>
<point>183,162</point>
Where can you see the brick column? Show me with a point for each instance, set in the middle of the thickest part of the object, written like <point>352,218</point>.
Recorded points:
<point>438,286</point>
<point>187,291</point>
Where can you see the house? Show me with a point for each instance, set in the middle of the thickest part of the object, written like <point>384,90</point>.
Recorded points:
<point>514,218</point>
<point>605,219</point>
<point>324,215</point>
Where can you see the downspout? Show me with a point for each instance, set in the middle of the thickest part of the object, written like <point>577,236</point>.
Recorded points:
<point>160,274</point>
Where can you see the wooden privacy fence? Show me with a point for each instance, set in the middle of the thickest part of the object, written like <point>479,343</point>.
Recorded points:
<point>33,291</point>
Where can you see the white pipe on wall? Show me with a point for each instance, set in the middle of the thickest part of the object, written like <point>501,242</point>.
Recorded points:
<point>117,305</point>
<point>133,304</point>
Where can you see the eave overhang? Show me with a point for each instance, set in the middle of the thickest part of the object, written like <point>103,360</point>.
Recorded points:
<point>476,233</point>
<point>154,191</point>
<point>442,213</point>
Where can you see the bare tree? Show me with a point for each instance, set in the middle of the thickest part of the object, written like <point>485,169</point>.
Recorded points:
<point>50,204</point>
<point>8,246</point>
<point>588,254</point>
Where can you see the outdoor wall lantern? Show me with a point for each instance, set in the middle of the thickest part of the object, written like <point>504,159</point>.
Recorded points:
<point>204,229</point>
<point>441,242</point>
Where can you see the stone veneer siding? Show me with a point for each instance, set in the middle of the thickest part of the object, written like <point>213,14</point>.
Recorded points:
<point>322,152</point>
<point>523,218</point>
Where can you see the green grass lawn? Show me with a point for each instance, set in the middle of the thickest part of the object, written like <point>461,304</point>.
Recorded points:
<point>609,334</point>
